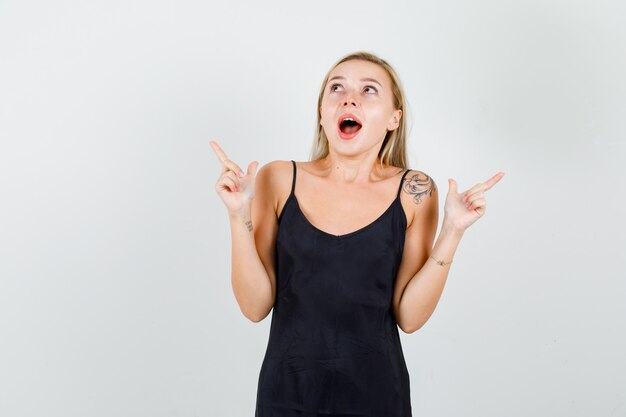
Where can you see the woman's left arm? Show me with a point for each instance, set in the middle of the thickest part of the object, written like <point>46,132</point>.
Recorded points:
<point>416,300</point>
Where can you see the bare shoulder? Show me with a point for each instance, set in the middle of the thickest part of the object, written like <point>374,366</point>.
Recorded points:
<point>419,186</point>
<point>419,194</point>
<point>275,178</point>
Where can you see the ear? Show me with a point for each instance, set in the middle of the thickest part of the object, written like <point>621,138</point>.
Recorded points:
<point>394,122</point>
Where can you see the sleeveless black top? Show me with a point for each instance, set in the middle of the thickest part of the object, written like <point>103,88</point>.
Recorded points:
<point>334,347</point>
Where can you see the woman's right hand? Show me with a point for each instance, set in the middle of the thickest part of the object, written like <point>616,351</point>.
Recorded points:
<point>235,190</point>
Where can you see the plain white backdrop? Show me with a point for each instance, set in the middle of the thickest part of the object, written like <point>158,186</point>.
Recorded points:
<point>115,292</point>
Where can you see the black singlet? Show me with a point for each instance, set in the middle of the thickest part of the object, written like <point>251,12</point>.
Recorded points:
<point>334,347</point>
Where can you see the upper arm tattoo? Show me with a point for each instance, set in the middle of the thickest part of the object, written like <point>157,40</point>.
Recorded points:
<point>418,185</point>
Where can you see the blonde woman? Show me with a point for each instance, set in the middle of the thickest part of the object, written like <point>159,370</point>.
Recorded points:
<point>341,248</point>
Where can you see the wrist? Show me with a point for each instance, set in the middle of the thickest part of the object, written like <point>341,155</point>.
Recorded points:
<point>242,214</point>
<point>449,229</point>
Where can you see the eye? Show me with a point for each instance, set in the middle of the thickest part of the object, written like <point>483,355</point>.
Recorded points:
<point>372,88</point>
<point>332,87</point>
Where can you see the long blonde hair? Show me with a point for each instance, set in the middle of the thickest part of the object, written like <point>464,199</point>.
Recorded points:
<point>393,150</point>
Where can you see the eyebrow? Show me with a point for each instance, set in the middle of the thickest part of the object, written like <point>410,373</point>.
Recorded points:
<point>362,79</point>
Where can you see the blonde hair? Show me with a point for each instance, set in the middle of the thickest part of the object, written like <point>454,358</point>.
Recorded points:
<point>393,150</point>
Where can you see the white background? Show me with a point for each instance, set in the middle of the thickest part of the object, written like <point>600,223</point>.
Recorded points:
<point>115,292</point>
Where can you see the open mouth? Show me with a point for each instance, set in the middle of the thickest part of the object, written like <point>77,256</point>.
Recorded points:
<point>349,125</point>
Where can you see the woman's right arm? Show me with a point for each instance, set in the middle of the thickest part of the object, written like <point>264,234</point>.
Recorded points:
<point>253,230</point>
<point>250,199</point>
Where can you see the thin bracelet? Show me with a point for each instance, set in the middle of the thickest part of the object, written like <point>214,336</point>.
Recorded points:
<point>442,263</point>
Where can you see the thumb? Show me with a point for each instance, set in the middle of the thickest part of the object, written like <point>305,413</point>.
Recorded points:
<point>453,185</point>
<point>252,167</point>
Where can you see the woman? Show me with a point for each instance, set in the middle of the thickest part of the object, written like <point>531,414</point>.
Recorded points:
<point>342,267</point>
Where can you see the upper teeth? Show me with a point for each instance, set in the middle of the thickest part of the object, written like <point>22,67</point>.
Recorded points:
<point>349,118</point>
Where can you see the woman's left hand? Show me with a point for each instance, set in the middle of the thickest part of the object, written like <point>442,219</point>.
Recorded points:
<point>463,209</point>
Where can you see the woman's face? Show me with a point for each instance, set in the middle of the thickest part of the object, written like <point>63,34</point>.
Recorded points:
<point>360,90</point>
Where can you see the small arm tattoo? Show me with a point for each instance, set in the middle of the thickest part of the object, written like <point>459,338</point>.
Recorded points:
<point>249,224</point>
<point>418,185</point>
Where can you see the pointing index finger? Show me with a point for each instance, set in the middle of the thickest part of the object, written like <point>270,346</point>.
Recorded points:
<point>226,163</point>
<point>493,180</point>
<point>218,150</point>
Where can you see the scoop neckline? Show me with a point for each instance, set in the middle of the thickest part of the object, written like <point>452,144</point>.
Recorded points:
<point>293,197</point>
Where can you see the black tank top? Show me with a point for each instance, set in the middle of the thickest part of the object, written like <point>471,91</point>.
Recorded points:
<point>334,346</point>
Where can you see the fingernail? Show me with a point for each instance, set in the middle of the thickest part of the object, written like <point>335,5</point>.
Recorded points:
<point>241,174</point>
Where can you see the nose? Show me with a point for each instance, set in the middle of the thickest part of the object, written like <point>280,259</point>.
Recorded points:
<point>350,100</point>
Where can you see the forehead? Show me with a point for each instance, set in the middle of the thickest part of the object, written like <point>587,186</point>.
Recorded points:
<point>357,69</point>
